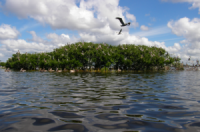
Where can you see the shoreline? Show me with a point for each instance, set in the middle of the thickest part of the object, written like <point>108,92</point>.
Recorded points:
<point>99,71</point>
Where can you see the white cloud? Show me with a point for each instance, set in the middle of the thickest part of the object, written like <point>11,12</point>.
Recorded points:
<point>143,27</point>
<point>5,54</point>
<point>59,40</point>
<point>124,38</point>
<point>1,55</point>
<point>90,17</point>
<point>185,52</point>
<point>189,29</point>
<point>66,14</point>
<point>35,38</point>
<point>11,46</point>
<point>24,46</point>
<point>133,18</point>
<point>8,32</point>
<point>194,52</point>
<point>58,14</point>
<point>174,49</point>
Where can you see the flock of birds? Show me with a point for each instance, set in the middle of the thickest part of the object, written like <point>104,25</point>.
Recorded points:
<point>123,24</point>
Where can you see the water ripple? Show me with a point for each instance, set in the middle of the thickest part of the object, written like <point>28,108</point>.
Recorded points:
<point>162,101</point>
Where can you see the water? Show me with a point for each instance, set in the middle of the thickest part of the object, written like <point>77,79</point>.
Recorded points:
<point>95,102</point>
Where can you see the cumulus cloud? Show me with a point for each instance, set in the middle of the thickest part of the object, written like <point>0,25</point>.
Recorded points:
<point>5,54</point>
<point>1,55</point>
<point>189,29</point>
<point>66,14</point>
<point>35,38</point>
<point>133,18</point>
<point>143,27</point>
<point>24,46</point>
<point>58,14</point>
<point>8,32</point>
<point>124,38</point>
<point>173,49</point>
<point>185,52</point>
<point>181,51</point>
<point>59,40</point>
<point>11,46</point>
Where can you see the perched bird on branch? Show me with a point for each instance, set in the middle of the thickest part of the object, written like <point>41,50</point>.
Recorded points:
<point>122,22</point>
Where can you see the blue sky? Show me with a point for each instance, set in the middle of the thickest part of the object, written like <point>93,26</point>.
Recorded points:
<point>39,26</point>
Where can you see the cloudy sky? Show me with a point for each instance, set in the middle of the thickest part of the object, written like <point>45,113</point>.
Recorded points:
<point>42,25</point>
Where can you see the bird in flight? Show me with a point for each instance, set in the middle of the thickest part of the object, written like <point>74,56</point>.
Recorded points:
<point>120,32</point>
<point>122,22</point>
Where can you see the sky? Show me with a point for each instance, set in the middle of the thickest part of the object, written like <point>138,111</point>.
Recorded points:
<point>43,25</point>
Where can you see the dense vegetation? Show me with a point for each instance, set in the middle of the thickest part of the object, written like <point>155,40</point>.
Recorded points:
<point>82,55</point>
<point>2,64</point>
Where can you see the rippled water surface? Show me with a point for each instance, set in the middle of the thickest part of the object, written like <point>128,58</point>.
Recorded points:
<point>97,102</point>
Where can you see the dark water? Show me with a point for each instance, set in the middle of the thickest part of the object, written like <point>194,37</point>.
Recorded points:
<point>95,102</point>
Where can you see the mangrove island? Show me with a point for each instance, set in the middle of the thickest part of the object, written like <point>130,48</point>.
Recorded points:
<point>87,56</point>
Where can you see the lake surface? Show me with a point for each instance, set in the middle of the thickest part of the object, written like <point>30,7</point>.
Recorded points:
<point>97,102</point>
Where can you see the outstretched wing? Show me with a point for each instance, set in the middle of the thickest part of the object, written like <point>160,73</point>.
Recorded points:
<point>120,31</point>
<point>120,19</point>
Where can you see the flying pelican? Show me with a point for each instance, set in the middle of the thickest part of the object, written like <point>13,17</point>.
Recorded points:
<point>120,32</point>
<point>122,22</point>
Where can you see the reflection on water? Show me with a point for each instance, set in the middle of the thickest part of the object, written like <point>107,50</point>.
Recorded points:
<point>95,102</point>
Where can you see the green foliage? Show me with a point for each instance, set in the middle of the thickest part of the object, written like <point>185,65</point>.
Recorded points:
<point>2,64</point>
<point>104,69</point>
<point>82,55</point>
<point>177,63</point>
